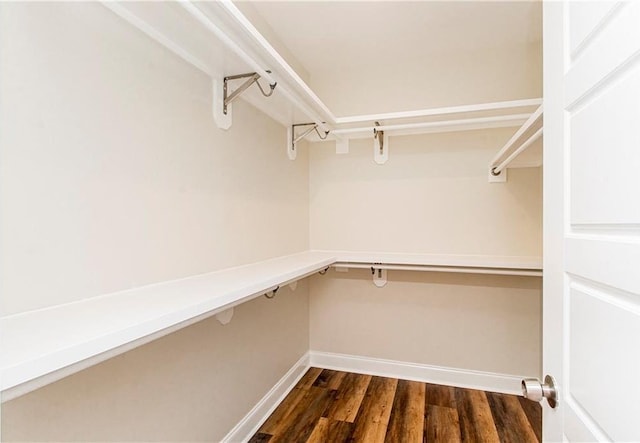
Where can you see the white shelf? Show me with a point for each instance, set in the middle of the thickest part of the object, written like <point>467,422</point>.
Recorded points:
<point>217,39</point>
<point>466,261</point>
<point>39,347</point>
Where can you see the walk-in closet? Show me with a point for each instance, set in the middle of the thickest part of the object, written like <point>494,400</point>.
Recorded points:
<point>319,221</point>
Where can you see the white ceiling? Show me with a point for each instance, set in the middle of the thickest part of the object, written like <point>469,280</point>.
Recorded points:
<point>338,33</point>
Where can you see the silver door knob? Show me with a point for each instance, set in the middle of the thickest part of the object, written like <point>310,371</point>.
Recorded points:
<point>536,391</point>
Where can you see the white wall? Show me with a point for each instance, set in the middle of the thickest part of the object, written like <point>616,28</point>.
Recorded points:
<point>432,196</point>
<point>114,175</point>
<point>466,321</point>
<point>192,385</point>
<point>447,79</point>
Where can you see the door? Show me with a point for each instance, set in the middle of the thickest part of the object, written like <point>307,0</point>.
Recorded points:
<point>591,312</point>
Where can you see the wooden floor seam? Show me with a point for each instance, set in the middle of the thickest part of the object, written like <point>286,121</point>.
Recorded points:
<point>335,406</point>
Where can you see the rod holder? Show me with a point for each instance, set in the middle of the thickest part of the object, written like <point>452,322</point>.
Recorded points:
<point>252,77</point>
<point>273,293</point>
<point>379,275</point>
<point>294,139</point>
<point>380,145</point>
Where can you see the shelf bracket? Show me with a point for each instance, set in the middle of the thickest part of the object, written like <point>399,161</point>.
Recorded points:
<point>222,98</point>
<point>380,146</point>
<point>294,139</point>
<point>225,316</point>
<point>379,275</point>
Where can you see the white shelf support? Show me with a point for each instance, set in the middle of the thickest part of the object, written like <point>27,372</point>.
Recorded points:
<point>223,119</point>
<point>225,317</point>
<point>292,151</point>
<point>380,145</point>
<point>379,276</point>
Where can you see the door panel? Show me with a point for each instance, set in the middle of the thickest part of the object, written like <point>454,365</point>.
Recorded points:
<point>597,180</point>
<point>592,160</point>
<point>611,45</point>
<point>614,262</point>
<point>604,362</point>
<point>585,18</point>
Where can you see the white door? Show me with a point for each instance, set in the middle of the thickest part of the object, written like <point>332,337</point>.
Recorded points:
<point>591,324</point>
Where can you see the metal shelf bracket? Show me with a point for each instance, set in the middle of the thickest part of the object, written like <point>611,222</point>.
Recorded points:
<point>294,139</point>
<point>222,98</point>
<point>380,146</point>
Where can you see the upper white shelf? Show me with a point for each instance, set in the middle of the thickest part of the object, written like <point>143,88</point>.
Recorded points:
<point>37,345</point>
<point>219,40</point>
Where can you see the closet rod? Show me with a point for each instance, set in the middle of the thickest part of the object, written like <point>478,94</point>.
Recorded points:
<point>454,269</point>
<point>425,125</point>
<point>528,124</point>
<point>496,170</point>
<point>233,46</point>
<point>441,111</point>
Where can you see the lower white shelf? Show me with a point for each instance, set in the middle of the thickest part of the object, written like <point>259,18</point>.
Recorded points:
<point>473,264</point>
<point>39,347</point>
<point>42,346</point>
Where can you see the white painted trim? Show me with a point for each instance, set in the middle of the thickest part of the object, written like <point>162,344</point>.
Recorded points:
<point>251,422</point>
<point>463,378</point>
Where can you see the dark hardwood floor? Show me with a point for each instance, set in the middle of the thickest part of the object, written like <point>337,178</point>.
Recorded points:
<point>333,406</point>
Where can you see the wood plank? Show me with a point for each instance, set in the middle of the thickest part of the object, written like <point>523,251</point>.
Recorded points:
<point>260,438</point>
<point>329,379</point>
<point>441,425</point>
<point>278,420</point>
<point>348,398</point>
<point>309,378</point>
<point>328,430</point>
<point>533,410</point>
<point>301,422</point>
<point>375,411</point>
<point>439,395</point>
<point>474,414</point>
<point>510,419</point>
<point>406,423</point>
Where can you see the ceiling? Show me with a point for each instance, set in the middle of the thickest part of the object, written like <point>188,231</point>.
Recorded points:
<point>339,33</point>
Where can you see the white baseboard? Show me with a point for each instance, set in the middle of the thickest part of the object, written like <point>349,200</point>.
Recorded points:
<point>251,422</point>
<point>463,378</point>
